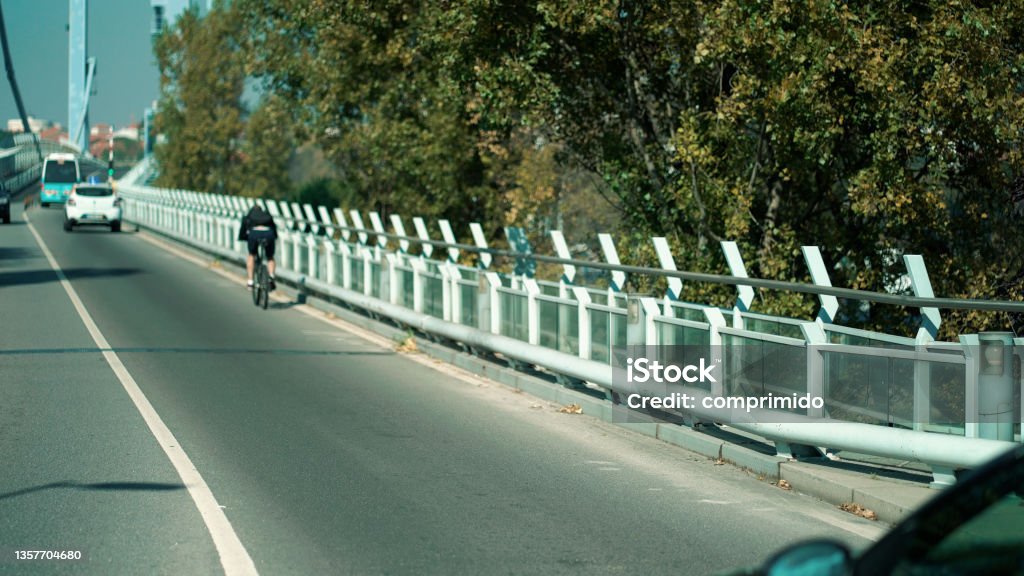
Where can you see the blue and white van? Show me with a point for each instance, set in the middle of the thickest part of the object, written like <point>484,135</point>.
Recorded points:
<point>60,174</point>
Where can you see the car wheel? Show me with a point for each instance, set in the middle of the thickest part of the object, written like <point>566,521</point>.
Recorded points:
<point>68,225</point>
<point>44,204</point>
<point>115,226</point>
<point>7,219</point>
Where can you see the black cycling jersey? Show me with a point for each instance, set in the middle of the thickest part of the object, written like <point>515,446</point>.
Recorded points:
<point>257,217</point>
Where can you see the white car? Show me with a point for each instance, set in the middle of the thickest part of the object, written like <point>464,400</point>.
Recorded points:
<point>93,204</point>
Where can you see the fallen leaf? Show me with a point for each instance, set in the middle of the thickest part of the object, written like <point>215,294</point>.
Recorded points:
<point>785,485</point>
<point>571,409</point>
<point>407,345</point>
<point>858,510</point>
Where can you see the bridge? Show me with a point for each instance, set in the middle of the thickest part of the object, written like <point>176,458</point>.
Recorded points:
<point>399,411</point>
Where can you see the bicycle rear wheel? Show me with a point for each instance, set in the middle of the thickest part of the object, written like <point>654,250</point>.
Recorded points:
<point>256,285</point>
<point>264,284</point>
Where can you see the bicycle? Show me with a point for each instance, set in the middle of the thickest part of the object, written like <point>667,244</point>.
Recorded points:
<point>261,276</point>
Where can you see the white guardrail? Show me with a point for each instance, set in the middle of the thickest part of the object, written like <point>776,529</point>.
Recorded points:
<point>910,399</point>
<point>20,164</point>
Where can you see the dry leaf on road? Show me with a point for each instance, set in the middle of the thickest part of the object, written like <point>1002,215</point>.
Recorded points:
<point>858,510</point>
<point>407,345</point>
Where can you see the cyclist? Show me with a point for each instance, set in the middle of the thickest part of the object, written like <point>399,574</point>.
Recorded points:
<point>258,225</point>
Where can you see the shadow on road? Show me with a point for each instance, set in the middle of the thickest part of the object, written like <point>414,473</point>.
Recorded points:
<point>102,229</point>
<point>100,486</point>
<point>8,253</point>
<point>42,276</point>
<point>284,305</point>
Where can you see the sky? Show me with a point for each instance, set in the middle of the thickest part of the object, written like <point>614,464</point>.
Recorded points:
<point>126,81</point>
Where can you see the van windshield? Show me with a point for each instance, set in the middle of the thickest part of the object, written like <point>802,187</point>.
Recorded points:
<point>58,172</point>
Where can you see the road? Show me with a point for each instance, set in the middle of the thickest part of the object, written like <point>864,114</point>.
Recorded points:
<point>326,452</point>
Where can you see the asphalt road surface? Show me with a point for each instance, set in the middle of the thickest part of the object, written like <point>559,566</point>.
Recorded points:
<point>294,446</point>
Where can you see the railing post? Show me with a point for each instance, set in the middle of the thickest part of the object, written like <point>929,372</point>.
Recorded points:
<point>815,338</point>
<point>1018,350</point>
<point>583,300</point>
<point>716,321</point>
<point>668,262</point>
<point>611,256</point>
<point>532,311</point>
<point>330,264</point>
<point>636,321</point>
<point>418,268</point>
<point>922,286</point>
<point>363,251</point>
<point>927,333</point>
<point>325,217</point>
<point>346,264</point>
<point>312,266</point>
<point>344,248</point>
<point>481,241</point>
<point>995,386</point>
<point>449,238</point>
<point>745,293</point>
<point>488,303</point>
<point>650,309</point>
<point>567,279</point>
<point>972,365</point>
<point>284,252</point>
<point>675,285</point>
<point>298,235</point>
<point>829,305</point>
<point>448,291</point>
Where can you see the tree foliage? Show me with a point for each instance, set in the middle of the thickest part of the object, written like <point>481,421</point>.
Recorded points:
<point>200,110</point>
<point>268,148</point>
<point>871,129</point>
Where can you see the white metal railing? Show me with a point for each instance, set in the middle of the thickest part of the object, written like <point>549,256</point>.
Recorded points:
<point>575,330</point>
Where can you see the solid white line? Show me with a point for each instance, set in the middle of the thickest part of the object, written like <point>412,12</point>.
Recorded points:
<point>233,557</point>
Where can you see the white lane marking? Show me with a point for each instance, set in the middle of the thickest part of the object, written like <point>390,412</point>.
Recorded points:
<point>233,556</point>
<point>600,462</point>
<point>720,502</point>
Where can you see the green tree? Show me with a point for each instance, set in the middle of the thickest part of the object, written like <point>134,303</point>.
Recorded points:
<point>873,130</point>
<point>373,101</point>
<point>268,148</point>
<point>200,110</point>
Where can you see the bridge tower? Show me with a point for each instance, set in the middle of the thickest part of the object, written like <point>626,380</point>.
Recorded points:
<point>78,121</point>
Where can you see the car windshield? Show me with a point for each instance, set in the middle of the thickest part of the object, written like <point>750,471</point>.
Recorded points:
<point>990,543</point>
<point>60,172</point>
<point>94,191</point>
